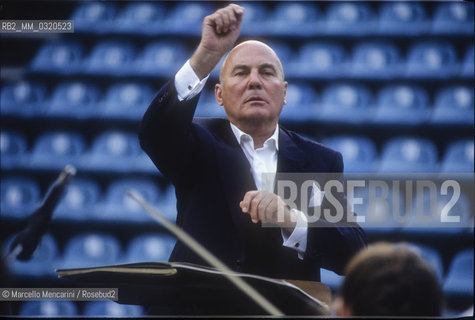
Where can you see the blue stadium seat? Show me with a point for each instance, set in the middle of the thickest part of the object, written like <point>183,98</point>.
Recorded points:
<point>300,103</point>
<point>458,156</point>
<point>468,63</point>
<point>290,18</point>
<point>187,17</point>
<point>428,216</point>
<point>76,99</point>
<point>59,57</point>
<point>409,154</point>
<point>142,17</point>
<point>22,98</point>
<point>150,247</point>
<point>454,18</point>
<point>127,100</point>
<point>42,263</point>
<point>402,104</point>
<point>321,60</point>
<point>48,309</point>
<point>459,280</point>
<point>111,309</point>
<point>96,17</point>
<point>13,150</point>
<point>403,18</point>
<point>256,19</point>
<point>286,55</point>
<point>118,206</point>
<point>347,103</point>
<point>375,205</point>
<point>55,149</point>
<point>79,200</point>
<point>350,18</point>
<point>430,59</point>
<point>117,151</point>
<point>375,59</point>
<point>331,279</point>
<point>167,203</point>
<point>454,105</point>
<point>111,57</point>
<point>19,197</point>
<point>208,106</point>
<point>359,153</point>
<point>162,58</point>
<point>91,250</point>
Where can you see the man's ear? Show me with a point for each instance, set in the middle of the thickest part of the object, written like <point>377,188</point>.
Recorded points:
<point>285,92</point>
<point>218,93</point>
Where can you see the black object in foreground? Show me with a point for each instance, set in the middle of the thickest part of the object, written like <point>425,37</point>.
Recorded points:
<point>26,241</point>
<point>185,286</point>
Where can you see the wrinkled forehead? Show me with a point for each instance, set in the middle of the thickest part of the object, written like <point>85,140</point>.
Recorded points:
<point>252,54</point>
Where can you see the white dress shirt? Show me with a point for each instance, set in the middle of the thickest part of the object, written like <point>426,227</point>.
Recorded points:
<point>263,160</point>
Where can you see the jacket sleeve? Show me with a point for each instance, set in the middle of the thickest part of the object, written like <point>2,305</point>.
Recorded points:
<point>332,245</point>
<point>165,132</point>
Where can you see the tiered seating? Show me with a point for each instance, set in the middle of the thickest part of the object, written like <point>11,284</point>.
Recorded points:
<point>48,309</point>
<point>19,197</point>
<point>90,250</point>
<point>112,309</point>
<point>13,149</point>
<point>54,150</point>
<point>76,99</point>
<point>345,102</point>
<point>459,281</point>
<point>80,200</point>
<point>359,152</point>
<point>127,100</point>
<point>408,154</point>
<point>61,57</point>
<point>454,105</point>
<point>150,247</point>
<point>402,104</point>
<point>403,17</point>
<point>389,85</point>
<point>22,98</point>
<point>458,157</point>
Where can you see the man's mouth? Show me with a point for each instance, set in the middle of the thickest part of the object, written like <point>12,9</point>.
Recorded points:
<point>255,99</point>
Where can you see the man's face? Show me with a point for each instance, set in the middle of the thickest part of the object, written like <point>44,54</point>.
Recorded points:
<point>252,88</point>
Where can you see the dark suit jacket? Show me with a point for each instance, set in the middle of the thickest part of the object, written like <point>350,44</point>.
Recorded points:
<point>211,175</point>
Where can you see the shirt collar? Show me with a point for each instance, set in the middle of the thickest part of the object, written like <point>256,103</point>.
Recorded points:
<point>240,136</point>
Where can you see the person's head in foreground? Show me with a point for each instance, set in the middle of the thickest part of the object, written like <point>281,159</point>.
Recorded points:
<point>389,280</point>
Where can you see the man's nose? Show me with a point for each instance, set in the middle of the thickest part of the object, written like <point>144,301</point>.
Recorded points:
<point>254,81</point>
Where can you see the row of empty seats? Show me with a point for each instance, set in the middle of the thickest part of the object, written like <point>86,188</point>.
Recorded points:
<point>347,102</point>
<point>113,151</point>
<point>85,201</point>
<point>52,309</point>
<point>372,59</point>
<point>285,18</point>
<point>92,250</point>
<point>119,151</point>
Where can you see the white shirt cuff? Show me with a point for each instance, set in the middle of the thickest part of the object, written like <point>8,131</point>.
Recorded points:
<point>298,238</point>
<point>187,83</point>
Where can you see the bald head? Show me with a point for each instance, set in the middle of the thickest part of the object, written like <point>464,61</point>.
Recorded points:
<point>251,46</point>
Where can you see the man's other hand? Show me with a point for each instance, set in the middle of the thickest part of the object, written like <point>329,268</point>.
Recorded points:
<point>268,208</point>
<point>219,33</point>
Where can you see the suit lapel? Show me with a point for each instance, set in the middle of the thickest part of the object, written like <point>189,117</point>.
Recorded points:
<point>291,158</point>
<point>236,177</point>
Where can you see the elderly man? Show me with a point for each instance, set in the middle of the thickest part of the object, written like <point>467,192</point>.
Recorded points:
<point>217,165</point>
